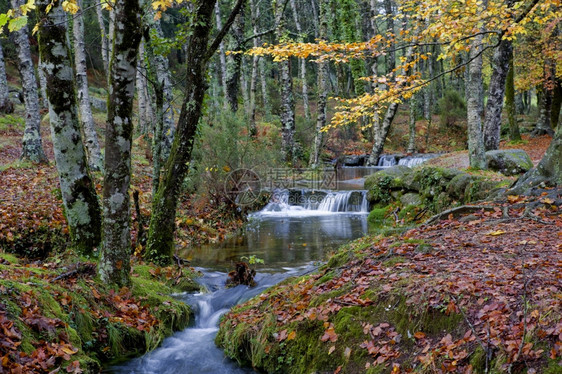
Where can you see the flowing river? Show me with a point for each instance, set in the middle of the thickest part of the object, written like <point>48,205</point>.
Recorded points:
<point>294,231</point>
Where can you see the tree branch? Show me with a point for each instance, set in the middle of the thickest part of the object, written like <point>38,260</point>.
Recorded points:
<point>226,27</point>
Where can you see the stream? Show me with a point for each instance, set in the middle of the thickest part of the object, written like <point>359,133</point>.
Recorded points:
<point>291,234</point>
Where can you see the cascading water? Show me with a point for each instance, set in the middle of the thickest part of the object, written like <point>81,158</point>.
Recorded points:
<point>412,161</point>
<point>312,202</point>
<point>386,161</point>
<point>288,243</point>
<point>193,350</point>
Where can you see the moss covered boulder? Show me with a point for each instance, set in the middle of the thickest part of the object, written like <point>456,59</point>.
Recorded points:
<point>380,185</point>
<point>509,161</point>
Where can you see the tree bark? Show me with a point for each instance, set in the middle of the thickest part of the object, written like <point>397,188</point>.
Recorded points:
<point>496,90</point>
<point>412,126</point>
<point>234,62</point>
<point>287,99</point>
<point>32,148</point>
<point>544,98</point>
<point>556,102</point>
<point>302,62</point>
<point>114,264</point>
<point>88,126</point>
<point>160,244</point>
<point>142,91</point>
<point>103,34</point>
<point>514,134</point>
<point>322,83</point>
<point>549,170</point>
<point>254,15</point>
<point>222,53</point>
<point>6,105</point>
<point>474,105</point>
<point>81,204</point>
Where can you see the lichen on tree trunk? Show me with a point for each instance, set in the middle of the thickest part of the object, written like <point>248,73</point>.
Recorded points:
<point>114,264</point>
<point>78,193</point>
<point>32,148</point>
<point>160,244</point>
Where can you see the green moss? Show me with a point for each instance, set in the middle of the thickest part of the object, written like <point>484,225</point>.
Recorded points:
<point>393,261</point>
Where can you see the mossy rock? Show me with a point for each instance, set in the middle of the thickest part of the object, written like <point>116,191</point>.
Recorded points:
<point>411,198</point>
<point>380,185</point>
<point>457,186</point>
<point>509,161</point>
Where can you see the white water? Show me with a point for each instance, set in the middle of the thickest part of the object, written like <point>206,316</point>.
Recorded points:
<point>410,161</point>
<point>193,350</point>
<point>304,203</point>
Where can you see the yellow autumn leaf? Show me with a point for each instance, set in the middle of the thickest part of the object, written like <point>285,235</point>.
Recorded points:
<point>496,233</point>
<point>292,335</point>
<point>70,6</point>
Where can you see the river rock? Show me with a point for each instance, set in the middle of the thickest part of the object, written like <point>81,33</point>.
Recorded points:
<point>411,198</point>
<point>509,161</point>
<point>354,160</point>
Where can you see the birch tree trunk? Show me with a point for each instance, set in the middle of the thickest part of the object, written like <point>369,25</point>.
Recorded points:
<point>474,106</point>
<point>88,126</point>
<point>222,53</point>
<point>496,90</point>
<point>164,80</point>
<point>103,33</point>
<point>233,66</point>
<point>287,99</point>
<point>142,91</point>
<point>114,264</point>
<point>302,63</point>
<point>43,87</point>
<point>412,126</point>
<point>160,243</point>
<point>254,15</point>
<point>32,148</point>
<point>322,83</point>
<point>81,204</point>
<point>6,105</point>
<point>514,134</point>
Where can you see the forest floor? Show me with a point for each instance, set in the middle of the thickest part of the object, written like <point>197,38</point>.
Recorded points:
<point>54,310</point>
<point>480,293</point>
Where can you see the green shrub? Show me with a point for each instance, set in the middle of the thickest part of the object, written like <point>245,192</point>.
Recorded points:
<point>452,109</point>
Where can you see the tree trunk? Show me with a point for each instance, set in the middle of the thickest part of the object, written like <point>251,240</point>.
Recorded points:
<point>514,134</point>
<point>494,106</point>
<point>142,91</point>
<point>81,204</point>
<point>114,264</point>
<point>302,63</point>
<point>43,87</point>
<point>103,34</point>
<point>6,105</point>
<point>222,53</point>
<point>88,125</point>
<point>474,105</point>
<point>549,169</point>
<point>322,83</point>
<point>160,244</point>
<point>32,149</point>
<point>556,103</point>
<point>287,99</point>
<point>412,126</point>
<point>255,13</point>
<point>544,99</point>
<point>391,54</point>
<point>234,62</point>
<point>167,112</point>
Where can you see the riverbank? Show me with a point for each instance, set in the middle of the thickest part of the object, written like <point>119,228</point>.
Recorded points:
<point>478,292</point>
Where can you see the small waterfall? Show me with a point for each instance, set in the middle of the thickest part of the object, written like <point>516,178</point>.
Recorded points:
<point>316,201</point>
<point>386,161</point>
<point>415,160</point>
